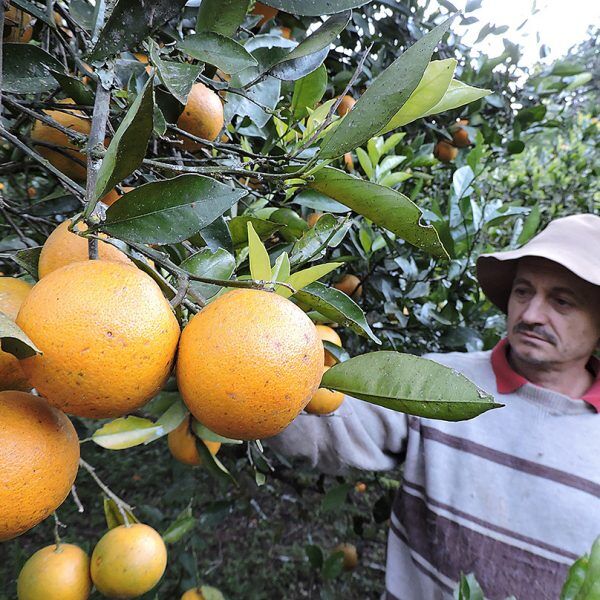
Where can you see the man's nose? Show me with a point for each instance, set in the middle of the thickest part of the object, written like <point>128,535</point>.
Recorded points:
<point>535,311</point>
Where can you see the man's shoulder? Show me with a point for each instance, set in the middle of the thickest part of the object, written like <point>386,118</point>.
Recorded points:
<point>474,365</point>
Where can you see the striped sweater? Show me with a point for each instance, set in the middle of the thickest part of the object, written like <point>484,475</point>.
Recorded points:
<point>512,496</point>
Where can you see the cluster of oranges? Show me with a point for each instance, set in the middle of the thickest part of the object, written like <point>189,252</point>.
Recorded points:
<point>445,150</point>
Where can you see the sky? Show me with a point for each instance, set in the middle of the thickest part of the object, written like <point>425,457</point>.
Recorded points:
<point>559,23</point>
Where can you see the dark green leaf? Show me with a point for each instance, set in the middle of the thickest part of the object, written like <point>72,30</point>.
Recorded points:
<point>384,97</point>
<point>384,206</point>
<point>308,92</point>
<point>314,555</point>
<point>337,352</point>
<point>128,146</point>
<point>14,340</point>
<point>409,384</point>
<point>315,240</point>
<point>34,11</point>
<point>221,16</point>
<point>28,259</point>
<point>317,201</point>
<point>216,235</point>
<point>214,265</point>
<point>238,228</point>
<point>204,433</point>
<point>82,12</point>
<point>130,22</point>
<point>565,68</point>
<point>515,147</point>
<point>314,8</point>
<point>167,212</point>
<point>295,225</point>
<point>530,227</point>
<point>336,306</point>
<point>218,50</point>
<point>336,497</point>
<point>213,465</point>
<point>333,566</point>
<point>114,517</point>
<point>183,524</point>
<point>26,69</point>
<point>74,88</point>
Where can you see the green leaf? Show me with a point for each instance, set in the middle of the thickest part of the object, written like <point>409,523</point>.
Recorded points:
<point>74,88</point>
<point>336,351</point>
<point>34,11</point>
<point>409,384</point>
<point>385,207</point>
<point>182,525</point>
<point>125,432</point>
<point>114,517</point>
<point>308,92</point>
<point>335,498</point>
<point>314,8</point>
<point>28,259</point>
<point>309,54</point>
<point>169,420</point>
<point>384,97</point>
<point>333,566</point>
<point>204,433</point>
<point>314,555</point>
<point>295,226</point>
<point>14,340</point>
<point>218,264</point>
<point>281,269</point>
<point>161,403</point>
<point>457,94</point>
<point>336,306</point>
<point>429,92</point>
<point>300,279</point>
<point>218,50</point>
<point>238,228</point>
<point>365,162</point>
<point>130,22</point>
<point>170,211</point>
<point>26,69</point>
<point>575,579</point>
<point>221,16</point>
<point>315,200</point>
<point>260,265</point>
<point>128,146</point>
<point>212,464</point>
<point>530,226</point>
<point>315,240</point>
<point>469,588</point>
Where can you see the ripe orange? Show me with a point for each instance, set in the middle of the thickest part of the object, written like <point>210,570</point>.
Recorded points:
<point>128,561</point>
<point>267,12</point>
<point>64,247</point>
<point>56,573</point>
<point>67,162</point>
<point>17,25</point>
<point>445,152</point>
<point>193,594</point>
<point>112,196</point>
<point>39,456</point>
<point>350,285</point>
<point>12,293</point>
<point>202,116</point>
<point>350,555</point>
<point>286,32</point>
<point>349,161</point>
<point>107,334</point>
<point>313,218</point>
<point>327,334</point>
<point>182,444</point>
<point>360,487</point>
<point>248,363</point>
<point>324,401</point>
<point>460,136</point>
<point>345,105</point>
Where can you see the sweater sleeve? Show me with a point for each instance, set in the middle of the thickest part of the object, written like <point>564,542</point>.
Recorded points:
<point>358,434</point>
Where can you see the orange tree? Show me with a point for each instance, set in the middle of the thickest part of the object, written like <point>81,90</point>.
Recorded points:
<point>182,148</point>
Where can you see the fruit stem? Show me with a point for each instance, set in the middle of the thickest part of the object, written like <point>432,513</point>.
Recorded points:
<point>57,522</point>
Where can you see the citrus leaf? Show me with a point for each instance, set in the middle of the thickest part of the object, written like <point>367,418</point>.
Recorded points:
<point>409,384</point>
<point>128,146</point>
<point>211,593</point>
<point>221,16</point>
<point>125,432</point>
<point>333,565</point>
<point>182,525</point>
<point>14,340</point>
<point>314,555</point>
<point>260,265</point>
<point>74,88</point>
<point>169,420</point>
<point>300,279</point>
<point>238,228</point>
<point>204,433</point>
<point>315,240</point>
<point>337,307</point>
<point>384,97</point>
<point>315,200</point>
<point>34,11</point>
<point>308,92</point>
<point>26,69</point>
<point>335,498</point>
<point>314,8</point>
<point>28,259</point>
<point>218,50</point>
<point>130,22</point>
<point>219,264</point>
<point>161,403</point>
<point>281,269</point>
<point>458,94</point>
<point>170,211</point>
<point>336,351</point>
<point>385,207</point>
<point>113,515</point>
<point>428,93</point>
<point>575,579</point>
<point>212,464</point>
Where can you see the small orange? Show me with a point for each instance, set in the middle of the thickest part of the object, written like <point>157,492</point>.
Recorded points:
<point>460,136</point>
<point>39,458</point>
<point>349,161</point>
<point>193,594</point>
<point>267,12</point>
<point>182,444</point>
<point>64,247</point>
<point>327,334</point>
<point>17,26</point>
<point>350,285</point>
<point>360,487</point>
<point>345,105</point>
<point>56,573</point>
<point>350,555</point>
<point>324,401</point>
<point>202,116</point>
<point>286,32</point>
<point>313,218</point>
<point>445,152</point>
<point>112,196</point>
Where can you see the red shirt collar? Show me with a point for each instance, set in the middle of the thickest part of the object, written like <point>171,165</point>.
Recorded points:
<point>508,380</point>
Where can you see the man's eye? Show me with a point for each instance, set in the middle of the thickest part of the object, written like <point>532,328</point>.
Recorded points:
<point>562,302</point>
<point>520,291</point>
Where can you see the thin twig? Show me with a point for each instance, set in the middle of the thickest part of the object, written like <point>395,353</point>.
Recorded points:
<point>2,11</point>
<point>76,499</point>
<point>57,522</point>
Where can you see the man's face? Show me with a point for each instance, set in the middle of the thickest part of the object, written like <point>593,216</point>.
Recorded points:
<point>553,315</point>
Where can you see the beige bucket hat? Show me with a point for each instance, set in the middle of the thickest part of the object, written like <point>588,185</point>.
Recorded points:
<point>573,242</point>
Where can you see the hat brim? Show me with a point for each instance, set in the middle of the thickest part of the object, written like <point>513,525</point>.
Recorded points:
<point>495,277</point>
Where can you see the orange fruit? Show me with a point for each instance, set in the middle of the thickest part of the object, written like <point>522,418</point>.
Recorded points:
<point>267,12</point>
<point>345,105</point>
<point>248,363</point>
<point>445,152</point>
<point>17,25</point>
<point>39,456</point>
<point>313,218</point>
<point>350,555</point>
<point>64,247</point>
<point>12,293</point>
<point>327,334</point>
<point>202,116</point>
<point>460,136</point>
<point>350,285</point>
<point>56,573</point>
<point>324,401</point>
<point>128,561</point>
<point>193,594</point>
<point>67,162</point>
<point>112,196</point>
<point>143,59</point>
<point>360,487</point>
<point>286,32</point>
<point>107,334</point>
<point>349,161</point>
<point>182,444</point>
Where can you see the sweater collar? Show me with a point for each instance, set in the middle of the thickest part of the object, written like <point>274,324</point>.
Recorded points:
<point>508,380</point>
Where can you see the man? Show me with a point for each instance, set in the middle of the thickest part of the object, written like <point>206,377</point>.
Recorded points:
<point>514,494</point>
